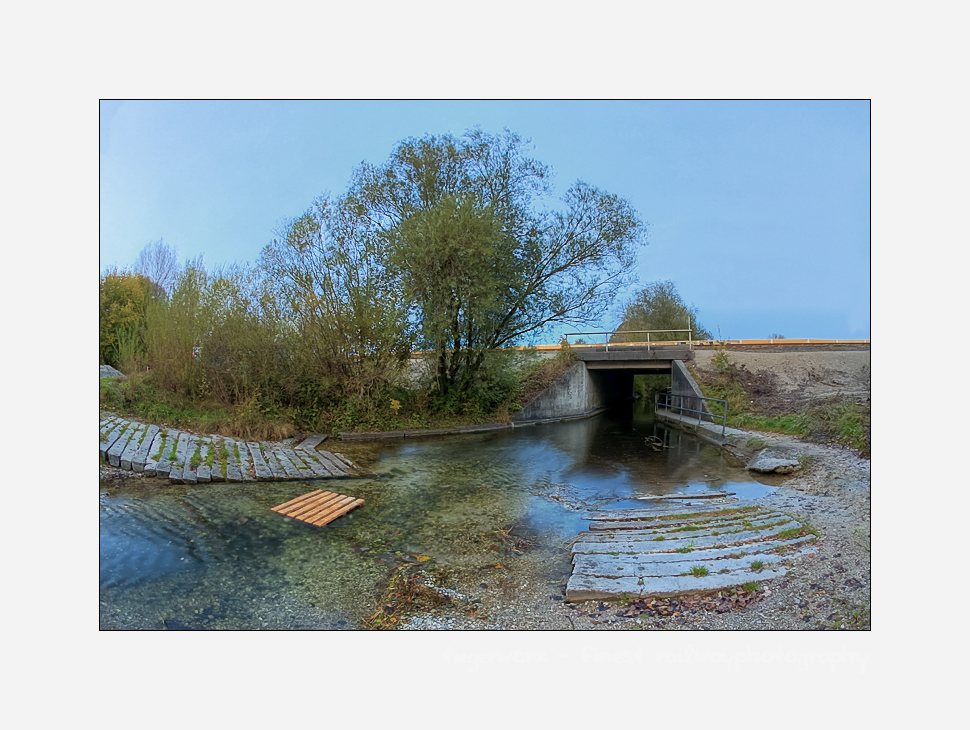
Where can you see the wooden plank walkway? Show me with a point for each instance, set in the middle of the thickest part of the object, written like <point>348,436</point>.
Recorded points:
<point>189,458</point>
<point>318,507</point>
<point>640,553</point>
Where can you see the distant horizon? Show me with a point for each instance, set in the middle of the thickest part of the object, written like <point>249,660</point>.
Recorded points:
<point>759,212</point>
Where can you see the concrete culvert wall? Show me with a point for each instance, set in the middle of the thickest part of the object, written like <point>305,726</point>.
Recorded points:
<point>685,392</point>
<point>578,393</point>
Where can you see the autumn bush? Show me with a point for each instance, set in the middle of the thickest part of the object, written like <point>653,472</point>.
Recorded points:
<point>124,298</point>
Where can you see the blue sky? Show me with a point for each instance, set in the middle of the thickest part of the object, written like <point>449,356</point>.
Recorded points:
<point>758,211</point>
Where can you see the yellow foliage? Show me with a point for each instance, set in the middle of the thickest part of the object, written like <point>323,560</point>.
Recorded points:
<point>123,299</point>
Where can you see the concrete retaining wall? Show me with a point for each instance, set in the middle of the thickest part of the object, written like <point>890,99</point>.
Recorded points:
<point>572,394</point>
<point>578,393</point>
<point>682,384</point>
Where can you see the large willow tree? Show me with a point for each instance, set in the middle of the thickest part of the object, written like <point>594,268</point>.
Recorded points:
<point>465,249</point>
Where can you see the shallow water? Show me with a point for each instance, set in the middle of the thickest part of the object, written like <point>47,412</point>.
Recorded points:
<point>214,556</point>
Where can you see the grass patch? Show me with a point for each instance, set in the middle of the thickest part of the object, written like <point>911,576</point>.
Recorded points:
<point>806,529</point>
<point>756,443</point>
<point>659,538</point>
<point>698,571</point>
<point>196,458</point>
<point>163,439</point>
<point>687,528</point>
<point>683,550</point>
<point>751,587</point>
<point>757,565</point>
<point>829,421</point>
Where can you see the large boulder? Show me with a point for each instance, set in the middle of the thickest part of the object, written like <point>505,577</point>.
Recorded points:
<point>109,372</point>
<point>774,462</point>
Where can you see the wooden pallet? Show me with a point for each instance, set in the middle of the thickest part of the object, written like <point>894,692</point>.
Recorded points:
<point>318,507</point>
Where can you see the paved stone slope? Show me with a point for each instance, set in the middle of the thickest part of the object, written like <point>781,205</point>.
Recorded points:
<point>667,551</point>
<point>190,458</point>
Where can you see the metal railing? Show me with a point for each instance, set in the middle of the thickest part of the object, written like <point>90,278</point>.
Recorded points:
<point>689,341</point>
<point>668,403</point>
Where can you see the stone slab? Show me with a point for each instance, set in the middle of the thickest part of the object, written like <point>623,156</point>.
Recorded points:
<point>311,442</point>
<point>108,441</point>
<point>586,588</point>
<point>708,554</point>
<point>259,463</point>
<point>118,447</point>
<point>333,463</point>
<point>163,466</point>
<point>204,471</point>
<point>179,462</point>
<point>303,471</point>
<point>654,535</point>
<point>344,460</point>
<point>190,473</point>
<point>667,512</point>
<point>289,469</point>
<point>132,447</point>
<point>218,473</point>
<point>108,424</point>
<point>272,463</point>
<point>246,467</point>
<point>140,457</point>
<point>719,526</point>
<point>644,566</point>
<point>233,474</point>
<point>642,546</point>
<point>318,468</point>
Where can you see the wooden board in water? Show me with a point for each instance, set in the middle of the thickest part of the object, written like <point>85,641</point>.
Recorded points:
<point>318,507</point>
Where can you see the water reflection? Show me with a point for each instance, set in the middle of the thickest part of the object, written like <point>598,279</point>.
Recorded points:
<point>214,556</point>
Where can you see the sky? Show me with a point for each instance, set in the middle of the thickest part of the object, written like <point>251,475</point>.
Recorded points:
<point>758,211</point>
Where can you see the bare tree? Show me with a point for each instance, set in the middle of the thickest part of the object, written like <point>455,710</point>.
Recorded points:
<point>160,263</point>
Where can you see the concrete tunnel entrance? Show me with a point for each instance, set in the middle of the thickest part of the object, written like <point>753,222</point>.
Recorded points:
<point>601,379</point>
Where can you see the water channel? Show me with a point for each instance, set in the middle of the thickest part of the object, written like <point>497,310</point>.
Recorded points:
<point>213,556</point>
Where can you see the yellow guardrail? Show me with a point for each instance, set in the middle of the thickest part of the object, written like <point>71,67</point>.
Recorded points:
<point>691,343</point>
<point>706,343</point>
